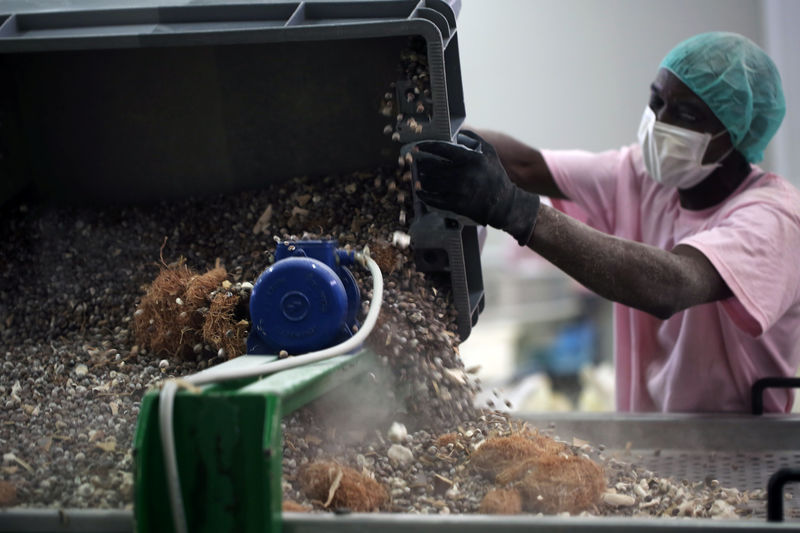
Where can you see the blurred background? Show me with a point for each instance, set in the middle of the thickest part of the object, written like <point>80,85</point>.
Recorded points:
<point>576,74</point>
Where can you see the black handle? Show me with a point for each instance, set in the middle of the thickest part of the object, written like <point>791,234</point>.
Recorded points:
<point>775,492</point>
<point>765,383</point>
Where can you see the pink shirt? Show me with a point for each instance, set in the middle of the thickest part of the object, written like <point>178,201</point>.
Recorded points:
<point>704,358</point>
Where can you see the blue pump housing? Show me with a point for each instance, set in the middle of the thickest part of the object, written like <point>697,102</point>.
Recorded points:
<point>306,301</point>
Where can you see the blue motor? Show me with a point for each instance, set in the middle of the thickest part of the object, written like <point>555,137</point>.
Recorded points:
<point>307,300</point>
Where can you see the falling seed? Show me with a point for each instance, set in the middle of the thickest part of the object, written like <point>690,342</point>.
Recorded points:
<point>178,301</point>
<point>263,221</point>
<point>401,240</point>
<point>618,500</point>
<point>397,433</point>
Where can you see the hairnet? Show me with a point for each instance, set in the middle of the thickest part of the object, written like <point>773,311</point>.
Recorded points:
<point>737,81</point>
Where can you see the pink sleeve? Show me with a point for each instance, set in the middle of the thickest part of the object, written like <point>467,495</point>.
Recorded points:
<point>590,181</point>
<point>756,250</point>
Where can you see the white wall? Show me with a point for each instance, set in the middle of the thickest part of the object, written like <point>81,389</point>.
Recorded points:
<point>783,44</point>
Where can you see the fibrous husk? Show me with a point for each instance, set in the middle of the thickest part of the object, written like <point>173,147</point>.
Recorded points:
<point>171,316</point>
<point>220,327</point>
<point>385,255</point>
<point>293,506</point>
<point>547,475</point>
<point>339,486</point>
<point>499,453</point>
<point>448,438</point>
<point>8,494</point>
<point>556,483</point>
<point>501,501</point>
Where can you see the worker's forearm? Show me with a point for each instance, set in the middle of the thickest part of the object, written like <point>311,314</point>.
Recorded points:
<point>524,165</point>
<point>637,275</point>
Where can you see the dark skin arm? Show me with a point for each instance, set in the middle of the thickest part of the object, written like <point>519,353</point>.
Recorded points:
<point>524,165</point>
<point>644,277</point>
<point>659,282</point>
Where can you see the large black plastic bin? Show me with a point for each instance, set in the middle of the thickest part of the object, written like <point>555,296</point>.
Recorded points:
<point>141,103</point>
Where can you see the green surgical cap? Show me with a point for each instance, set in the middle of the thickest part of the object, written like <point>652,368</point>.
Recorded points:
<point>739,83</point>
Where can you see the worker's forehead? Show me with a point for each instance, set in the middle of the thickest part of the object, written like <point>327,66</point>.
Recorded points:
<point>676,93</point>
<point>668,84</point>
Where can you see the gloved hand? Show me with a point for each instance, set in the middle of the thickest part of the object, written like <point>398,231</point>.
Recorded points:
<point>468,179</point>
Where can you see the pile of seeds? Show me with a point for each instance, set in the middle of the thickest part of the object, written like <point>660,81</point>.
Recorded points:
<point>73,375</point>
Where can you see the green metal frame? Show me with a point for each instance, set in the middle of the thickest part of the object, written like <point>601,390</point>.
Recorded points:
<point>229,446</point>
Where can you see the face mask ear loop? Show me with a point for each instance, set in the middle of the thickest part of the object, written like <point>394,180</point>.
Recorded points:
<point>726,154</point>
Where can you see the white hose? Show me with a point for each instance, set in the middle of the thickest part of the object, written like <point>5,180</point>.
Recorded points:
<point>170,388</point>
<point>166,402</point>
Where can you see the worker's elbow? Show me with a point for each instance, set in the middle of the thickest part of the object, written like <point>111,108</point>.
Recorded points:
<point>670,299</point>
<point>662,312</point>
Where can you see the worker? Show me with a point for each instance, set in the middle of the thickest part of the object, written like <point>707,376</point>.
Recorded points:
<point>698,247</point>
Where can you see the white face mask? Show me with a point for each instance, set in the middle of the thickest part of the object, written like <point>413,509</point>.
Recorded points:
<point>672,155</point>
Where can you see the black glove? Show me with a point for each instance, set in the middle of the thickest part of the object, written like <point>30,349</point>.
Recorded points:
<point>468,179</point>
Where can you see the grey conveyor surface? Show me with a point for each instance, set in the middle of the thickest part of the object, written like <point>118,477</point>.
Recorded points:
<point>739,451</point>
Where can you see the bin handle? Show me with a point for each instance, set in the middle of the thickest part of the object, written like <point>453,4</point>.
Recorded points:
<point>757,397</point>
<point>775,492</point>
